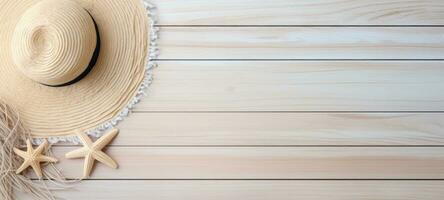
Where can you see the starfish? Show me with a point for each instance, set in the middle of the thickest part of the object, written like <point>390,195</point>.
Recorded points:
<point>93,151</point>
<point>33,158</point>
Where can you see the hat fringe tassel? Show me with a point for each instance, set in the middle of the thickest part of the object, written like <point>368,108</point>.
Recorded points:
<point>13,134</point>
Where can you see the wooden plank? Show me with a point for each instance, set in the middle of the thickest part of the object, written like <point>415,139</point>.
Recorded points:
<point>256,190</point>
<point>282,129</point>
<point>302,43</point>
<point>265,163</point>
<point>297,86</point>
<point>300,12</point>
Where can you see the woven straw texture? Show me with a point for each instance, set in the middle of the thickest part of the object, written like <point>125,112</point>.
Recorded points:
<point>55,46</point>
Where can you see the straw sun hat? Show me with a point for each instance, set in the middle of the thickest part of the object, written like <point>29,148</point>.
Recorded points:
<point>74,65</point>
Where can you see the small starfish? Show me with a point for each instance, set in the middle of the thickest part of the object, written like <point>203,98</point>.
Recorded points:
<point>33,158</point>
<point>93,151</point>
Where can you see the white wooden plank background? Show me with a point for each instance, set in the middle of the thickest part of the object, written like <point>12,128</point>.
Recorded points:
<point>302,43</point>
<point>285,99</point>
<point>277,129</point>
<point>138,162</point>
<point>300,12</point>
<point>256,190</point>
<point>297,86</point>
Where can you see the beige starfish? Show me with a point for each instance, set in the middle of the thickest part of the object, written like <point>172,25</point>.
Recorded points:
<point>93,151</point>
<point>33,158</point>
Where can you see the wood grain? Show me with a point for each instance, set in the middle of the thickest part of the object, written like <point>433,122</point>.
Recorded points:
<point>297,86</point>
<point>302,43</point>
<point>275,129</point>
<point>256,190</point>
<point>300,12</point>
<point>265,163</point>
<point>192,129</point>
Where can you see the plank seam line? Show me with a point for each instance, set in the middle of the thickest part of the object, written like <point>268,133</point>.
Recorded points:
<point>263,146</point>
<point>299,26</point>
<point>301,112</point>
<point>293,59</point>
<point>123,179</point>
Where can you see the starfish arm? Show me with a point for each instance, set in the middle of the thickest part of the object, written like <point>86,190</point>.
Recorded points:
<point>41,148</point>
<point>22,167</point>
<point>85,139</point>
<point>20,153</point>
<point>106,139</point>
<point>29,146</point>
<point>78,153</point>
<point>47,159</point>
<point>88,165</point>
<point>37,169</point>
<point>105,159</point>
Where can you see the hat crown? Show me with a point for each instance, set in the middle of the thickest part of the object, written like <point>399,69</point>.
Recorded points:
<point>54,41</point>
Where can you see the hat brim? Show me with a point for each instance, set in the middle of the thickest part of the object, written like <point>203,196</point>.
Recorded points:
<point>102,94</point>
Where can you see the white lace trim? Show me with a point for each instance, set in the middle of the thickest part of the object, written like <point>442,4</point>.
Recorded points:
<point>150,64</point>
